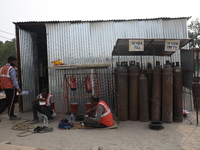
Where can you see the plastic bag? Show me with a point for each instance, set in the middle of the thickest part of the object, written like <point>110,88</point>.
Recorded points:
<point>64,124</point>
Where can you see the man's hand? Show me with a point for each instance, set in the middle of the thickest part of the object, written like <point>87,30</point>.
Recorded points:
<point>86,117</point>
<point>33,101</point>
<point>87,112</point>
<point>19,90</point>
<point>38,99</point>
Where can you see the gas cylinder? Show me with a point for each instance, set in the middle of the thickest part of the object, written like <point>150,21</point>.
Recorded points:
<point>149,80</point>
<point>116,69</point>
<point>133,91</point>
<point>177,96</point>
<point>167,93</point>
<point>116,75</point>
<point>156,93</point>
<point>122,88</point>
<point>143,98</point>
<point>173,65</point>
<point>138,66</point>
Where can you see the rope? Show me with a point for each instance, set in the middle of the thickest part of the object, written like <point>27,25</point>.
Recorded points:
<point>24,127</point>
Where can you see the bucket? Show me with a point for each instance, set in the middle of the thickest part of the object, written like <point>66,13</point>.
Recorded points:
<point>88,106</point>
<point>74,107</point>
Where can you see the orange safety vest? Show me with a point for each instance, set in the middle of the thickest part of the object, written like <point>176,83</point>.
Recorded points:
<point>106,117</point>
<point>48,100</point>
<point>5,80</point>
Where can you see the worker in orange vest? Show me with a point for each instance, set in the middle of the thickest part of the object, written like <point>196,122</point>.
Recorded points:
<point>9,84</point>
<point>45,104</point>
<point>103,115</point>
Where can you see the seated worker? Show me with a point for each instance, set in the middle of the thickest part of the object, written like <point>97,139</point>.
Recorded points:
<point>44,103</point>
<point>103,115</point>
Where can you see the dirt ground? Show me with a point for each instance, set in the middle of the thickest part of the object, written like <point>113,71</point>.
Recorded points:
<point>130,135</point>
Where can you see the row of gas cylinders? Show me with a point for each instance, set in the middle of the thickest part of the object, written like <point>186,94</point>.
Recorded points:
<point>149,94</point>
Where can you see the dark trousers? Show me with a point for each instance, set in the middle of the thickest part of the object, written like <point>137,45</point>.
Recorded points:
<point>9,102</point>
<point>44,110</point>
<point>92,123</point>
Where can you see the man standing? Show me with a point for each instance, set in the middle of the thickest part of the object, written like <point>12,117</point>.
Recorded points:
<point>103,116</point>
<point>44,103</point>
<point>9,84</point>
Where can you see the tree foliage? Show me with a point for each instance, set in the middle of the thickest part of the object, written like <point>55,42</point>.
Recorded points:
<point>194,33</point>
<point>7,49</point>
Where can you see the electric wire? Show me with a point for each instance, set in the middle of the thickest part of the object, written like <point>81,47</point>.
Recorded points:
<point>5,37</point>
<point>6,32</point>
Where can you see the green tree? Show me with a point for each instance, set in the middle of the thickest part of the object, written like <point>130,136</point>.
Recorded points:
<point>7,49</point>
<point>194,33</point>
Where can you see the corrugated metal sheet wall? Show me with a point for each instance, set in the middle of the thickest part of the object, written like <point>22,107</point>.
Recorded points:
<point>93,42</point>
<point>29,67</point>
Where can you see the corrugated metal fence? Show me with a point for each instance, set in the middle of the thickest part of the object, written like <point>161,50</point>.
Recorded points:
<point>29,67</point>
<point>93,42</point>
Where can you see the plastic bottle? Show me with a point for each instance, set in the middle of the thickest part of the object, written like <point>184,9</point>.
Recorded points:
<point>45,120</point>
<point>82,124</point>
<point>72,117</point>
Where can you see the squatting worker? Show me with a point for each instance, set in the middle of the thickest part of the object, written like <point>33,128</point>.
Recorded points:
<point>45,104</point>
<point>103,115</point>
<point>9,84</point>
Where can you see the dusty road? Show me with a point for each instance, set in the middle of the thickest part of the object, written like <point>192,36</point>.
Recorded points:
<point>130,135</point>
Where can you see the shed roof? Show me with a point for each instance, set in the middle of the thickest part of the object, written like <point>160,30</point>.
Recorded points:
<point>82,21</point>
<point>151,47</point>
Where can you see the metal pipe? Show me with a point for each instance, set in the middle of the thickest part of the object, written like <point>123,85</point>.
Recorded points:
<point>20,98</point>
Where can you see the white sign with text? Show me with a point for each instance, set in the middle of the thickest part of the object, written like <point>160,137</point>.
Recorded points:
<point>136,45</point>
<point>172,45</point>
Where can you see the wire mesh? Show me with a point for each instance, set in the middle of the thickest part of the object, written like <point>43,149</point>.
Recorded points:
<point>101,85</point>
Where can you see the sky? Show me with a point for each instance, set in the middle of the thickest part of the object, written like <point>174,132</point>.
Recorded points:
<point>85,10</point>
